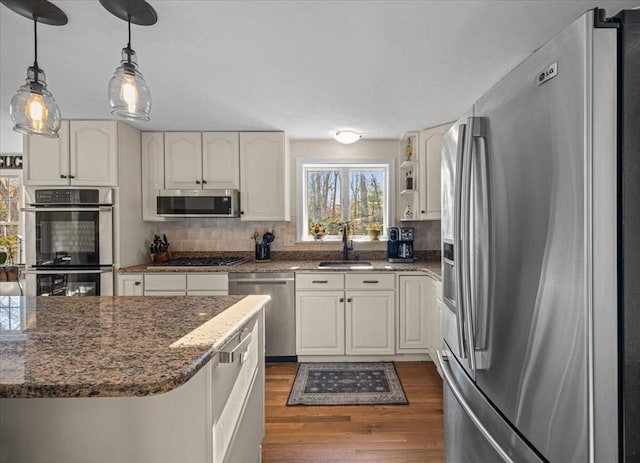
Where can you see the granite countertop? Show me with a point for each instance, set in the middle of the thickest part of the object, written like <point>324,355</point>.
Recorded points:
<point>112,346</point>
<point>432,267</point>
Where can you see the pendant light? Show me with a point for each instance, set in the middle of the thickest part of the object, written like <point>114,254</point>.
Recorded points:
<point>33,110</point>
<point>129,94</point>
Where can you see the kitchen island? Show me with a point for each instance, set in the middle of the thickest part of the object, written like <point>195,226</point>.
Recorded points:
<point>131,379</point>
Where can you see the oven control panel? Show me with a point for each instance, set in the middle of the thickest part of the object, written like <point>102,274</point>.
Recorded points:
<point>67,196</point>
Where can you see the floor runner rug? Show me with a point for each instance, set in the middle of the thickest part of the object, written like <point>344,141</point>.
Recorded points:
<point>347,384</point>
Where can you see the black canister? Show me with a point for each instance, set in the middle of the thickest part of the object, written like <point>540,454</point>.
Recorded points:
<point>263,251</point>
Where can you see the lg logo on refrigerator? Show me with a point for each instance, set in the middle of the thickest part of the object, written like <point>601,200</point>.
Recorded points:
<point>549,73</point>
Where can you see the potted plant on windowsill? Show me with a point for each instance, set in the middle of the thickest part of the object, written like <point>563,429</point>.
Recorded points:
<point>317,230</point>
<point>8,244</point>
<point>374,229</point>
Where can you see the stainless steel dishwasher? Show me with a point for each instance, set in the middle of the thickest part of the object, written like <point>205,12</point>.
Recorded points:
<point>280,323</point>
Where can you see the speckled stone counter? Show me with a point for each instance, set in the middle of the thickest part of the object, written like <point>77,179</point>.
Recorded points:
<point>112,346</point>
<point>431,267</point>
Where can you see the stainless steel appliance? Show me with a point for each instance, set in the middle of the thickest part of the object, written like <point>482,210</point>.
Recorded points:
<point>400,244</point>
<point>280,326</point>
<point>540,226</point>
<point>198,203</point>
<point>69,241</point>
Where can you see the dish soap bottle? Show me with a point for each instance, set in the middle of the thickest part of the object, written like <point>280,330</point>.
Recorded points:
<point>407,214</point>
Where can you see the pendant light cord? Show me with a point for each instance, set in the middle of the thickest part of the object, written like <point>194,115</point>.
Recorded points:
<point>35,46</point>
<point>129,40</point>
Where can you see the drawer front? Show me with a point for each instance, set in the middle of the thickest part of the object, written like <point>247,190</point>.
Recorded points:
<point>231,383</point>
<point>318,281</point>
<point>374,280</point>
<point>164,293</point>
<point>172,282</point>
<point>207,282</point>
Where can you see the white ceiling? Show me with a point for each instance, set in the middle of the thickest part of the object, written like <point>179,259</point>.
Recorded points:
<point>305,67</point>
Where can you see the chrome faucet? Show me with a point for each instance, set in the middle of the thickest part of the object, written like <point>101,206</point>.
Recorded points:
<point>346,248</point>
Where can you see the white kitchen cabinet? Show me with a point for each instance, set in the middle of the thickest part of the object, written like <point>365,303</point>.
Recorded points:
<point>201,160</point>
<point>429,159</point>
<point>345,313</point>
<point>416,295</point>
<point>186,284</point>
<point>370,322</point>
<point>207,284</point>
<point>320,323</point>
<point>183,160</point>
<point>46,160</point>
<point>264,176</point>
<point>85,154</point>
<point>130,285</point>
<point>152,174</point>
<point>435,343</point>
<point>221,160</point>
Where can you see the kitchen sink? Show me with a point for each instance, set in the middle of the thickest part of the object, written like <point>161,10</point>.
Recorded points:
<point>350,264</point>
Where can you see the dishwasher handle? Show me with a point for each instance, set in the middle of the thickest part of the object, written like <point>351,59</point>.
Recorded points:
<point>261,281</point>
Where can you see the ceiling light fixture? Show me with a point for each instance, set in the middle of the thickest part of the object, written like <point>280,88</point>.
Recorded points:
<point>33,109</point>
<point>129,94</point>
<point>347,136</point>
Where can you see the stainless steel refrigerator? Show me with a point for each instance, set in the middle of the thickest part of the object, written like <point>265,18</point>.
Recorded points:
<point>541,256</point>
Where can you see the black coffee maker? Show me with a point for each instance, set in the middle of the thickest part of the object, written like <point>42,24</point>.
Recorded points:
<point>400,244</point>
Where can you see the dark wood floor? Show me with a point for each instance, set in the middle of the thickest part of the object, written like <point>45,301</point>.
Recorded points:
<point>392,434</point>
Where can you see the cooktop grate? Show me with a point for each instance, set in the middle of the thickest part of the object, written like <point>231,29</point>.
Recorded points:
<point>201,261</point>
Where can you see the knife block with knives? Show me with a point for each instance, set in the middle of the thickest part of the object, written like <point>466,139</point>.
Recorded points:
<point>160,249</point>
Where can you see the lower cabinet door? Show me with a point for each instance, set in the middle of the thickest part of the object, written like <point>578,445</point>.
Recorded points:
<point>320,323</point>
<point>370,327</point>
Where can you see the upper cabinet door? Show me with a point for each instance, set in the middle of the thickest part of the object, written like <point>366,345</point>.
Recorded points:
<point>221,160</point>
<point>93,153</point>
<point>183,160</point>
<point>152,174</point>
<point>264,176</point>
<point>430,157</point>
<point>46,160</point>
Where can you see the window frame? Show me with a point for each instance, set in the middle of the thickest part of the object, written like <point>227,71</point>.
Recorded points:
<point>19,257</point>
<point>304,164</point>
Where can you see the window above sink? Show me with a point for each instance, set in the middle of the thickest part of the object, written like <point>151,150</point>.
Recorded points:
<point>356,191</point>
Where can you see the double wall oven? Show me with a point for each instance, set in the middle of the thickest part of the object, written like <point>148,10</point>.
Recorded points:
<point>69,241</point>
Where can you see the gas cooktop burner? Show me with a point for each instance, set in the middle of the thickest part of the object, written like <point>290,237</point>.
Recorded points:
<point>201,261</point>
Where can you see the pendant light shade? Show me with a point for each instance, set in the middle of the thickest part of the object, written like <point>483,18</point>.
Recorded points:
<point>129,95</point>
<point>33,109</point>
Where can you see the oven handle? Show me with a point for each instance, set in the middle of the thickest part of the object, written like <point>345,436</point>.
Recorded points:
<point>63,271</point>
<point>68,209</point>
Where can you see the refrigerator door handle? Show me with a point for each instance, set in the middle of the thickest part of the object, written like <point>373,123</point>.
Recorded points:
<point>476,129</point>
<point>465,242</point>
<point>444,367</point>
<point>457,218</point>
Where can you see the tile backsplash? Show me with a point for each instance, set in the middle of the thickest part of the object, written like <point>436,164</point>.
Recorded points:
<point>236,235</point>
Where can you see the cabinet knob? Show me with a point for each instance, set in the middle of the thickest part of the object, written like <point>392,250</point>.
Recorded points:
<point>241,212</point>
<point>63,176</point>
<point>204,182</point>
<point>197,182</point>
<point>137,283</point>
<point>72,176</point>
<point>423,212</point>
<point>342,299</point>
<point>348,299</point>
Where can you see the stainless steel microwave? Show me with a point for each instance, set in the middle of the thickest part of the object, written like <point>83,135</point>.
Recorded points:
<point>199,203</point>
